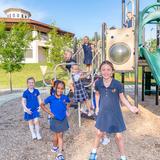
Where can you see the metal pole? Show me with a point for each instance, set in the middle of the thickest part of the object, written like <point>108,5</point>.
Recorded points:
<point>123,13</point>
<point>157,95</point>
<point>79,114</point>
<point>96,37</point>
<point>75,45</point>
<point>136,52</point>
<point>158,46</point>
<point>143,77</point>
<point>123,22</point>
<point>104,41</point>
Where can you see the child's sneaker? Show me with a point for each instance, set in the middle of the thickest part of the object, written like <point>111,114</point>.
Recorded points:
<point>60,157</point>
<point>39,136</point>
<point>105,141</point>
<point>93,156</point>
<point>34,136</point>
<point>123,158</point>
<point>54,149</point>
<point>90,113</point>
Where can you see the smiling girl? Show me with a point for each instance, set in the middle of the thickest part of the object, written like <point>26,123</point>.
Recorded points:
<point>59,103</point>
<point>109,93</point>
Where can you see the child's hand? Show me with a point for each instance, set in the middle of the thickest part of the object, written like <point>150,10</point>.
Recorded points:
<point>52,115</point>
<point>134,109</point>
<point>39,109</point>
<point>97,110</point>
<point>27,110</point>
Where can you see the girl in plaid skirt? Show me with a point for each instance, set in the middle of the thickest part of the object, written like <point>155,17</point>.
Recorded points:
<point>80,94</point>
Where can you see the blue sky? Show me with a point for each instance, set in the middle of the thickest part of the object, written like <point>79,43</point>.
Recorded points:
<point>82,17</point>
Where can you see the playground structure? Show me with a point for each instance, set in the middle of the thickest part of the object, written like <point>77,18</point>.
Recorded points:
<point>150,15</point>
<point>125,48</point>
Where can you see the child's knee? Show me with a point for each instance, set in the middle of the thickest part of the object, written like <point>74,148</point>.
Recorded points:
<point>99,134</point>
<point>30,122</point>
<point>36,121</point>
<point>119,137</point>
<point>60,135</point>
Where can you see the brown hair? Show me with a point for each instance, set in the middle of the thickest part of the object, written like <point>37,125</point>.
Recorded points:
<point>108,63</point>
<point>30,78</point>
<point>86,37</point>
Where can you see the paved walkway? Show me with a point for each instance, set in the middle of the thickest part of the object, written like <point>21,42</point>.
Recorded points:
<point>11,96</point>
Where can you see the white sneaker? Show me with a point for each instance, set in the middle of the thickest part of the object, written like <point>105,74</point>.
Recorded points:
<point>34,136</point>
<point>105,141</point>
<point>90,113</point>
<point>39,136</point>
<point>83,110</point>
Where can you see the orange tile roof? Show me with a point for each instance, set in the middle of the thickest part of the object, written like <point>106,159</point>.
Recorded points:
<point>34,24</point>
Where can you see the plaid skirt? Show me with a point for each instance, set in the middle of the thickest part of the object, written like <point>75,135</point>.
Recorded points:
<point>80,93</point>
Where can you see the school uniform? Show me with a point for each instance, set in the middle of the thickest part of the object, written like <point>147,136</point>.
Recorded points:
<point>58,106</point>
<point>129,23</point>
<point>31,103</point>
<point>52,92</point>
<point>68,66</point>
<point>87,54</point>
<point>110,117</point>
<point>80,93</point>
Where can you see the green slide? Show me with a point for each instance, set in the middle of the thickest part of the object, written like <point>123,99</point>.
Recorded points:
<point>153,60</point>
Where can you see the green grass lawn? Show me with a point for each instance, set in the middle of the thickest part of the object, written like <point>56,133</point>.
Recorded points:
<point>19,78</point>
<point>29,70</point>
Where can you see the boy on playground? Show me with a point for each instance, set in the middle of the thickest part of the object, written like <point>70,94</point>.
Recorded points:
<point>30,102</point>
<point>68,59</point>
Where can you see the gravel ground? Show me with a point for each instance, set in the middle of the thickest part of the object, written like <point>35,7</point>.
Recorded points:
<point>142,136</point>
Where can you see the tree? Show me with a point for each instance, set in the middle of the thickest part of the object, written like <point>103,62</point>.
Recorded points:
<point>57,44</point>
<point>153,45</point>
<point>13,45</point>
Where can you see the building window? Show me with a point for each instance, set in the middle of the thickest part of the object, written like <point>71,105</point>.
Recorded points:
<point>13,15</point>
<point>22,15</point>
<point>9,15</point>
<point>29,53</point>
<point>25,16</point>
<point>17,15</point>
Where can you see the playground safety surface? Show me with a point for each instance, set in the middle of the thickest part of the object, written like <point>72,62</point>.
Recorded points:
<point>142,136</point>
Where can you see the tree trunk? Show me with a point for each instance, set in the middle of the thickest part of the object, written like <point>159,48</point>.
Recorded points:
<point>10,81</point>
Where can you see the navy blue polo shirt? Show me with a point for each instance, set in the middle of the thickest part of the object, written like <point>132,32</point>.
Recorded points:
<point>58,106</point>
<point>68,66</point>
<point>129,23</point>
<point>109,96</point>
<point>31,99</point>
<point>110,118</point>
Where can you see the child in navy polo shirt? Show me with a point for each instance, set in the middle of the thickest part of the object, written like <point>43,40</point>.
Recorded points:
<point>109,93</point>
<point>30,102</point>
<point>59,103</point>
<point>88,55</point>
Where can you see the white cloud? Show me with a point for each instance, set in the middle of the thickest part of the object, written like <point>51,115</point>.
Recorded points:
<point>36,14</point>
